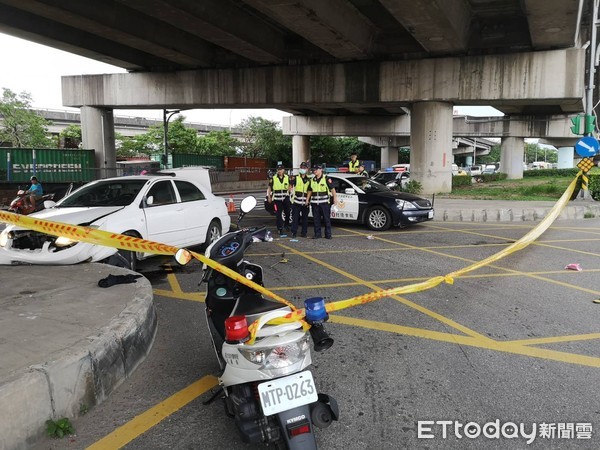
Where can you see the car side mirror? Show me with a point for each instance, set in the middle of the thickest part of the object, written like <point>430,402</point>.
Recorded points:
<point>150,200</point>
<point>49,204</point>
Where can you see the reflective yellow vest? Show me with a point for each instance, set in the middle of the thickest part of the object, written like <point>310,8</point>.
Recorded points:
<point>300,190</point>
<point>353,166</point>
<point>320,191</point>
<point>280,188</point>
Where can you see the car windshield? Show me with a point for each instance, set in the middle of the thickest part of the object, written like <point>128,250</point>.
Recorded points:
<point>368,185</point>
<point>104,193</point>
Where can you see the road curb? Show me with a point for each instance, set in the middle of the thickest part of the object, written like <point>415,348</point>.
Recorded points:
<point>75,379</point>
<point>514,214</point>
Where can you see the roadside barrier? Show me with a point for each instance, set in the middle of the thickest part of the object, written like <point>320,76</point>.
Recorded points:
<point>99,237</point>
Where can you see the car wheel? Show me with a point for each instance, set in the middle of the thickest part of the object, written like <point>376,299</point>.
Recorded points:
<point>378,218</point>
<point>213,233</point>
<point>132,258</point>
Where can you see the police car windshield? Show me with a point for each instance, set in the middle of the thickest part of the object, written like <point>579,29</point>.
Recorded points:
<point>368,185</point>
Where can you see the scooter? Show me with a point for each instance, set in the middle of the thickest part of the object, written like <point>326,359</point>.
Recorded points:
<point>21,204</point>
<point>266,386</point>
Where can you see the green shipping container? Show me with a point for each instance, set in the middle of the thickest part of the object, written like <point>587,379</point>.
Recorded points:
<point>50,164</point>
<point>191,159</point>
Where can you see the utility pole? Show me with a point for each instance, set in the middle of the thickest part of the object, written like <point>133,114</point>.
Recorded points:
<point>589,98</point>
<point>167,115</point>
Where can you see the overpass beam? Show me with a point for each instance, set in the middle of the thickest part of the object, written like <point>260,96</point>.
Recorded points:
<point>98,133</point>
<point>300,150</point>
<point>512,150</point>
<point>431,146</point>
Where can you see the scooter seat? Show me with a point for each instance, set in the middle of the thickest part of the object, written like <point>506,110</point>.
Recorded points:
<point>254,303</point>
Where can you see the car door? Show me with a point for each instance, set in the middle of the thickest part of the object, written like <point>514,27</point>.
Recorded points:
<point>196,212</point>
<point>347,200</point>
<point>165,218</point>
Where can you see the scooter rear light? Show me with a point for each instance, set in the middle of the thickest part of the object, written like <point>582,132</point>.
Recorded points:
<point>236,329</point>
<point>315,309</point>
<point>298,429</point>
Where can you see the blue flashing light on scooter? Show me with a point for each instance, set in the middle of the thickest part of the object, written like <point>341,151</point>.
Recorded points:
<point>316,314</point>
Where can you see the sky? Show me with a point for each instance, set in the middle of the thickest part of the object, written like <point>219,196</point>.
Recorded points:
<point>37,69</point>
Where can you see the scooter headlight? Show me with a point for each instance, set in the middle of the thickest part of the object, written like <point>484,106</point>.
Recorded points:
<point>278,357</point>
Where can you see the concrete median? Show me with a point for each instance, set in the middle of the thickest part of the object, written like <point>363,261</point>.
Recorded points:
<point>66,343</point>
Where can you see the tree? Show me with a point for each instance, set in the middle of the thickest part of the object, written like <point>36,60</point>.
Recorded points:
<point>218,143</point>
<point>21,126</point>
<point>264,139</point>
<point>71,136</point>
<point>181,138</point>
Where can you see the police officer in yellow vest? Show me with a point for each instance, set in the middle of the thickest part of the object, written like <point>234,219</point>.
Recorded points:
<point>278,192</point>
<point>299,201</point>
<point>319,190</point>
<point>353,163</point>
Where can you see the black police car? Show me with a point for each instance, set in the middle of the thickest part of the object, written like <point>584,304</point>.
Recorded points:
<point>371,203</point>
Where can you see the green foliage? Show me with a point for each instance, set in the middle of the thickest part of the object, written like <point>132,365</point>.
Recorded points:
<point>488,177</point>
<point>551,189</point>
<point>461,180</point>
<point>492,157</point>
<point>59,428</point>
<point>181,139</point>
<point>218,143</point>
<point>550,173</point>
<point>594,185</point>
<point>21,126</point>
<point>413,187</point>
<point>263,138</point>
<point>71,136</point>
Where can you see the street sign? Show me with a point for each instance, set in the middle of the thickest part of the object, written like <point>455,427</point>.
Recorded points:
<point>587,146</point>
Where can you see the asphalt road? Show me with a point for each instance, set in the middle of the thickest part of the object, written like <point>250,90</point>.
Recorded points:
<point>513,342</point>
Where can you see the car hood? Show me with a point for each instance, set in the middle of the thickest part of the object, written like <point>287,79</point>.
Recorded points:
<point>76,216</point>
<point>397,195</point>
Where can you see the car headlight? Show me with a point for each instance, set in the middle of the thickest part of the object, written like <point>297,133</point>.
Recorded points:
<point>277,357</point>
<point>62,241</point>
<point>3,238</point>
<point>403,204</point>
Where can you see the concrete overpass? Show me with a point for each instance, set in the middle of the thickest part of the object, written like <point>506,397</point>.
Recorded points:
<point>319,58</point>
<point>127,126</point>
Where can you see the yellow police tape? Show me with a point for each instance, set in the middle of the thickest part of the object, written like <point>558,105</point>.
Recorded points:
<point>120,241</point>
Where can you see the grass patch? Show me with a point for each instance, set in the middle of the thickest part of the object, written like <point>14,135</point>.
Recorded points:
<point>527,189</point>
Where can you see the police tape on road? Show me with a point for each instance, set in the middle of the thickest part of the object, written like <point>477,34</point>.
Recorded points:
<point>120,241</point>
<point>124,242</point>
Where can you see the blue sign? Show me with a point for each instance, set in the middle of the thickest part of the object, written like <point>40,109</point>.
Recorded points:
<point>587,146</point>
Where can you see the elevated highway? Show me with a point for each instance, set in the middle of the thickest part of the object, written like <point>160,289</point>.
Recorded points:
<point>365,58</point>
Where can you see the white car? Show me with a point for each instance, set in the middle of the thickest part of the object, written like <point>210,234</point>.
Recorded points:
<point>170,209</point>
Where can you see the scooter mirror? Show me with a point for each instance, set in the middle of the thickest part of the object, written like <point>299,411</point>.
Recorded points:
<point>248,204</point>
<point>183,256</point>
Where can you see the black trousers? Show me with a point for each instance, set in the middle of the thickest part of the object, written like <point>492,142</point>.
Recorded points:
<point>299,217</point>
<point>322,212</point>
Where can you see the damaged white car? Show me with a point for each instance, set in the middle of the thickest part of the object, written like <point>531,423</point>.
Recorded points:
<point>165,208</point>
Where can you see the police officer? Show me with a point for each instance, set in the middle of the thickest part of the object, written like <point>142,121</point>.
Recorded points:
<point>278,192</point>
<point>319,190</point>
<point>362,171</point>
<point>299,201</point>
<point>353,163</point>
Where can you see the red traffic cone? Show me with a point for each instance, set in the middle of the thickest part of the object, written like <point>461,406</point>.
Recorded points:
<point>231,205</point>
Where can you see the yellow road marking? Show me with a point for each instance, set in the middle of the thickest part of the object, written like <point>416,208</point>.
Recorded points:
<point>173,282</point>
<point>148,419</point>
<point>489,344</point>
<point>406,302</point>
<point>194,296</point>
<point>556,339</point>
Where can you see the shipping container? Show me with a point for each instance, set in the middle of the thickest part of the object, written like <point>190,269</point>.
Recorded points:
<point>48,164</point>
<point>193,159</point>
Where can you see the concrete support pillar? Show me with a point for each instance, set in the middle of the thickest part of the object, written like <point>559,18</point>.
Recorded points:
<point>300,150</point>
<point>512,150</point>
<point>566,156</point>
<point>431,146</point>
<point>98,132</point>
<point>389,156</point>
